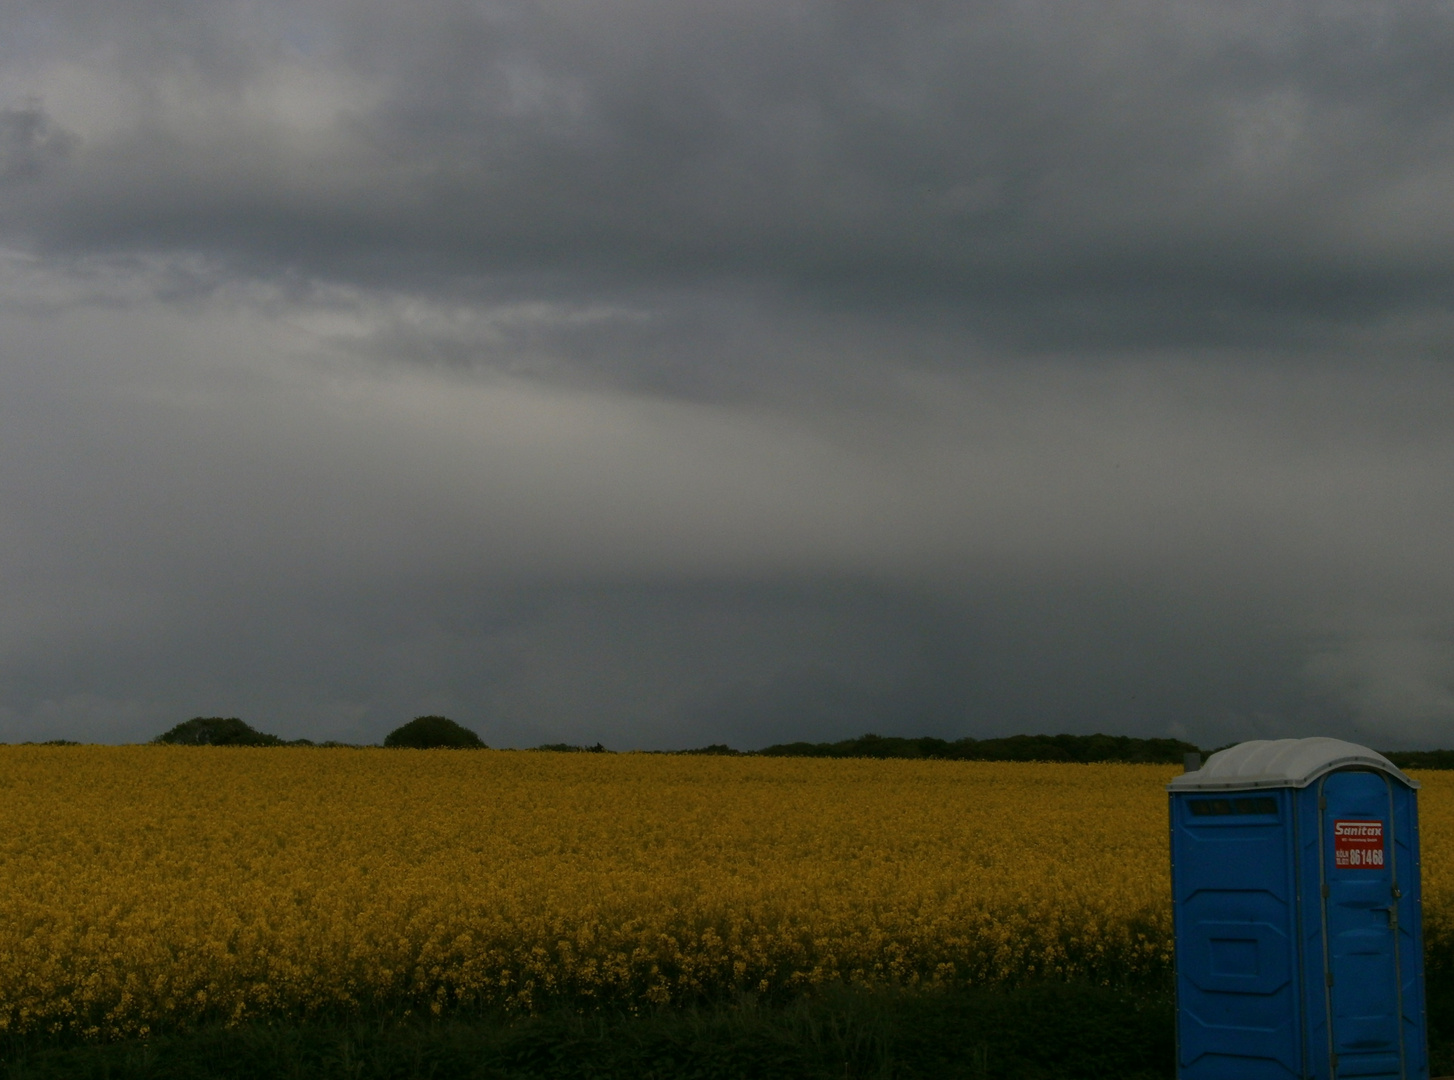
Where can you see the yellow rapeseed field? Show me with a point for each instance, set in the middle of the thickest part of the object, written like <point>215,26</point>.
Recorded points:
<point>148,886</point>
<point>1436,842</point>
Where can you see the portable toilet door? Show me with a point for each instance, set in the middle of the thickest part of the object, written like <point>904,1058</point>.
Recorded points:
<point>1372,934</point>
<point>1296,904</point>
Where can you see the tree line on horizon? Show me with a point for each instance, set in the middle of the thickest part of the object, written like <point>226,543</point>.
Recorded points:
<point>427,732</point>
<point>1082,749</point>
<point>436,732</point>
<point>421,733</point>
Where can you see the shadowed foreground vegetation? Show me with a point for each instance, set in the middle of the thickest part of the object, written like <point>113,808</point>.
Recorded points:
<point>1061,1031</point>
<point>1048,1031</point>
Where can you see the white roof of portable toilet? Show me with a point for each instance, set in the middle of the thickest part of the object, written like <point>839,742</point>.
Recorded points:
<point>1267,763</point>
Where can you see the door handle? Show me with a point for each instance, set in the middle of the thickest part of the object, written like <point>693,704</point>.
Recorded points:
<point>1392,912</point>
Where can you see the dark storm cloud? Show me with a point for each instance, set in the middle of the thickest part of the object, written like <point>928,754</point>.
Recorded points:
<point>667,373</point>
<point>1136,173</point>
<point>29,143</point>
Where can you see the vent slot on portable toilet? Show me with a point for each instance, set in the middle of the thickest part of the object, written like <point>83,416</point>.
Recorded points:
<point>1296,900</point>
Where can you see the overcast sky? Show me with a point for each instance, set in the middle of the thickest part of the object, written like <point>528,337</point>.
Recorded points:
<point>670,373</point>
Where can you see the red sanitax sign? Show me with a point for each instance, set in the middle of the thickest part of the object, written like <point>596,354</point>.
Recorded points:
<point>1358,844</point>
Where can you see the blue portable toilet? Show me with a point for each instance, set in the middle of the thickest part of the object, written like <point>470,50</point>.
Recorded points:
<point>1297,911</point>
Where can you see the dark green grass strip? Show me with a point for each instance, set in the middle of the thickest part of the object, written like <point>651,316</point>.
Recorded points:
<point>1065,1032</point>
<point>1059,1031</point>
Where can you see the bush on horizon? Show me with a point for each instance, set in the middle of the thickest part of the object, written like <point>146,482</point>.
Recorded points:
<point>433,733</point>
<point>216,731</point>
